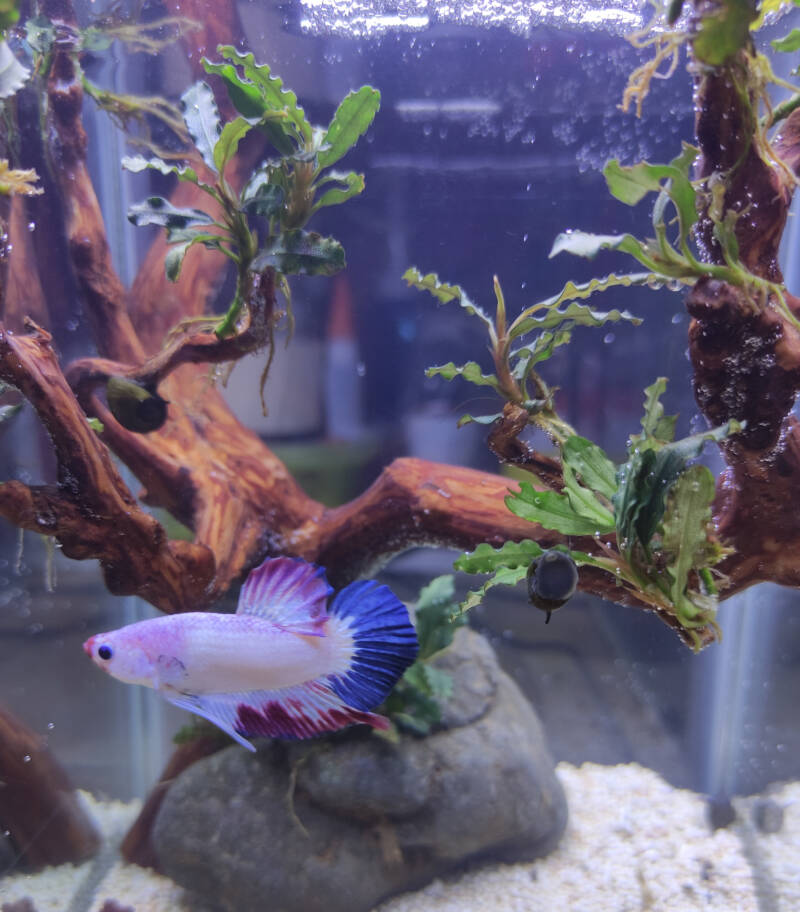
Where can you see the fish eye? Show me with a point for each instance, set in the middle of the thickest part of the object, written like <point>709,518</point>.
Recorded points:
<point>105,652</point>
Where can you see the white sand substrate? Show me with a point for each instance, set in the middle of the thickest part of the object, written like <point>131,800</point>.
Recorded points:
<point>632,843</point>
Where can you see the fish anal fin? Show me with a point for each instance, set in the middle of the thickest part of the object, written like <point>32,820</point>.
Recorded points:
<point>302,711</point>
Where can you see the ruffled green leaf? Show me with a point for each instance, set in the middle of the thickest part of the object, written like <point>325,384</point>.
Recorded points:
<point>529,356</point>
<point>298,252</point>
<point>138,163</point>
<point>352,119</point>
<point>505,576</point>
<point>471,371</point>
<point>575,314</point>
<point>202,120</point>
<point>645,481</point>
<point>486,559</point>
<point>433,616</point>
<point>788,43</point>
<point>229,139</point>
<point>684,534</point>
<point>584,502</point>
<point>596,470</point>
<point>444,293</point>
<point>351,185</point>
<point>262,198</point>
<point>13,75</point>
<point>255,92</point>
<point>173,261</point>
<point>554,511</point>
<point>155,210</point>
<point>478,419</point>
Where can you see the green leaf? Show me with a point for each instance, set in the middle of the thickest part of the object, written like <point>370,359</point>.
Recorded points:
<point>138,163</point>
<point>40,33</point>
<point>262,198</point>
<point>584,502</point>
<point>202,120</point>
<point>478,419</point>
<point>596,470</point>
<point>299,252</point>
<point>630,184</point>
<point>645,481</point>
<point>228,142</point>
<point>269,96</point>
<point>352,185</point>
<point>505,576</point>
<point>724,31</point>
<point>351,120</point>
<point>552,511</point>
<point>444,293</point>
<point>486,559</point>
<point>790,42</point>
<point>657,428</point>
<point>685,526</point>
<point>584,244</point>
<point>96,425</point>
<point>574,314</point>
<point>471,371</point>
<point>184,240</point>
<point>157,211</point>
<point>543,347</point>
<point>433,616</point>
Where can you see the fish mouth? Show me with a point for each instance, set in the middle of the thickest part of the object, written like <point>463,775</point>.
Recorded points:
<point>87,646</point>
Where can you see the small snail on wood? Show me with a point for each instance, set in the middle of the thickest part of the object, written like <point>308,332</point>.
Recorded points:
<point>136,407</point>
<point>552,580</point>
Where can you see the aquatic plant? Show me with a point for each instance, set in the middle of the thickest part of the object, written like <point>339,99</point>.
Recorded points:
<point>650,517</point>
<point>238,499</point>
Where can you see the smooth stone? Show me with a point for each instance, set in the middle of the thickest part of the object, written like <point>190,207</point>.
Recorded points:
<point>341,823</point>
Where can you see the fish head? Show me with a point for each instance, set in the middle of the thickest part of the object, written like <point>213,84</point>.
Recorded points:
<point>123,655</point>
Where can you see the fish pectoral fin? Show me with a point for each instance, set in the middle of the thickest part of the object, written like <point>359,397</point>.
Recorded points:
<point>213,710</point>
<point>169,672</point>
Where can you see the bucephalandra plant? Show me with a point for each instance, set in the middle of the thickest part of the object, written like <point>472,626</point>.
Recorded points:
<point>262,225</point>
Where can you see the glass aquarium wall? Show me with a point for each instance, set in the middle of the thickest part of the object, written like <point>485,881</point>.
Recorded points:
<point>244,338</point>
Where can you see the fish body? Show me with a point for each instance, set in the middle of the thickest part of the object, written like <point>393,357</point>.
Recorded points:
<point>289,663</point>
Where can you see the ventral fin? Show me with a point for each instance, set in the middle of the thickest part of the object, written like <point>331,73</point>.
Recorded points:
<point>290,593</point>
<point>292,713</point>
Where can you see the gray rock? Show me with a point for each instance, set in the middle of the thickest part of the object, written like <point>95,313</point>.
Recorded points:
<point>341,823</point>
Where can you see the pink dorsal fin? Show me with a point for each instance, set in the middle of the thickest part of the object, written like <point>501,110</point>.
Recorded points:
<point>290,593</point>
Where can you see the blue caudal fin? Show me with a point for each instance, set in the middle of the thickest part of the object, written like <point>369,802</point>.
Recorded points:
<point>384,643</point>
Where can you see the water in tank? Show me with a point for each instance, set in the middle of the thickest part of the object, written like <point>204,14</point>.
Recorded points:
<point>399,466</point>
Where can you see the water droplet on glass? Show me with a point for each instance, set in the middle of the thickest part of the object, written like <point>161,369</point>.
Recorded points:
<point>608,338</point>
<point>676,318</point>
<point>31,226</point>
<point>51,726</point>
<point>361,369</point>
<point>26,758</point>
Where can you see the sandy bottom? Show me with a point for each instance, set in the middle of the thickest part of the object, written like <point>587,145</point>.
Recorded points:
<point>632,843</point>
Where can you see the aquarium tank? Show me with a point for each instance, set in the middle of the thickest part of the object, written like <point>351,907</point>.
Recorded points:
<point>399,461</point>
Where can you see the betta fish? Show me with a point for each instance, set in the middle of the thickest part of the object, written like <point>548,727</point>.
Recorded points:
<point>290,663</point>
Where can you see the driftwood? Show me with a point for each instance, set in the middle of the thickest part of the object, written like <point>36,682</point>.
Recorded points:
<point>38,805</point>
<point>240,501</point>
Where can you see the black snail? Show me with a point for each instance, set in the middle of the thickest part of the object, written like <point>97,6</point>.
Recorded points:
<point>552,580</point>
<point>136,407</point>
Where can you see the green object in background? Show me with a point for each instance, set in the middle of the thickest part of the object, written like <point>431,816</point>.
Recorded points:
<point>330,471</point>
